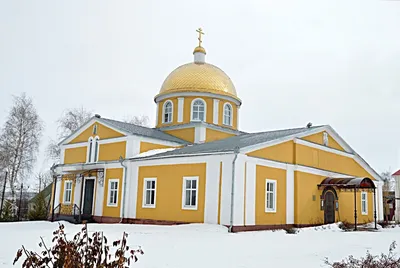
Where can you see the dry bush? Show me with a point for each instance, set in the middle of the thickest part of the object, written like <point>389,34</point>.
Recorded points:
<point>369,261</point>
<point>82,251</point>
<point>346,226</point>
<point>291,230</point>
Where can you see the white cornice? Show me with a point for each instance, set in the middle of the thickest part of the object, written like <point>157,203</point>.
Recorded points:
<point>322,148</point>
<point>196,94</point>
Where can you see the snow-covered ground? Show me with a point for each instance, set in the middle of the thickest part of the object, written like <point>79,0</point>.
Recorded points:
<point>202,245</point>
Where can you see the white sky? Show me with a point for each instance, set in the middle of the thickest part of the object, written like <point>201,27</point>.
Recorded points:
<point>328,62</point>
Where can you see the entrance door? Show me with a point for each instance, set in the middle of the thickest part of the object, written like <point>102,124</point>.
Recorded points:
<point>329,208</point>
<point>88,197</point>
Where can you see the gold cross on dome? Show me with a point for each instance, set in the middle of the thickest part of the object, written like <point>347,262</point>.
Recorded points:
<point>200,31</point>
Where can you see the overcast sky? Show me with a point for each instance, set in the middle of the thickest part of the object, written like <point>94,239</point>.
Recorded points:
<point>292,62</point>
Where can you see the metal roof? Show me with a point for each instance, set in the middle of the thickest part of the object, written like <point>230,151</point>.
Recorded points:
<point>229,144</point>
<point>141,131</point>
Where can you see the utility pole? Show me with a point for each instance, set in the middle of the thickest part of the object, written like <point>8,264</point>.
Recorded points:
<point>20,201</point>
<point>4,192</point>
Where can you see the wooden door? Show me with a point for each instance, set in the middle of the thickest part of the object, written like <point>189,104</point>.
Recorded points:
<point>329,208</point>
<point>88,197</point>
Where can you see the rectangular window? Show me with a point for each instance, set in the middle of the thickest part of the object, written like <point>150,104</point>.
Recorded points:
<point>270,195</point>
<point>190,192</point>
<point>149,192</point>
<point>364,203</point>
<point>113,192</point>
<point>67,192</point>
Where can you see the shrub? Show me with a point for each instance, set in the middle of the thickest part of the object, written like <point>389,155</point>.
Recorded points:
<point>346,226</point>
<point>82,251</point>
<point>384,224</point>
<point>369,261</point>
<point>290,230</point>
<point>7,214</point>
<point>39,211</point>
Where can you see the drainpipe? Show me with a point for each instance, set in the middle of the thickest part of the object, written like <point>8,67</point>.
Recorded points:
<point>233,188</point>
<point>121,160</point>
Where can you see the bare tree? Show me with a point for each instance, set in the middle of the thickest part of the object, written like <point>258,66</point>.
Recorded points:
<point>142,120</point>
<point>68,123</point>
<point>20,138</point>
<point>43,180</point>
<point>387,179</point>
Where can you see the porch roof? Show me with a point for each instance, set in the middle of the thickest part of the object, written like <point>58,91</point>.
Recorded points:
<point>361,182</point>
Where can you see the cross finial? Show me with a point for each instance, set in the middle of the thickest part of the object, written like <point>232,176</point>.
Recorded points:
<point>200,31</point>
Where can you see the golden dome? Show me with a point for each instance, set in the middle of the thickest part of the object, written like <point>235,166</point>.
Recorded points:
<point>198,77</point>
<point>199,49</point>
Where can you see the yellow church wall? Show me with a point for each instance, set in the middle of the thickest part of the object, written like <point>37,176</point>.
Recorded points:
<point>75,155</point>
<point>186,134</point>
<point>319,138</point>
<point>187,111</point>
<point>307,208</point>
<point>312,157</point>
<point>112,151</point>
<point>282,152</point>
<point>102,131</point>
<point>346,207</point>
<point>213,135</point>
<point>147,146</point>
<point>278,217</point>
<point>108,211</point>
<point>169,187</point>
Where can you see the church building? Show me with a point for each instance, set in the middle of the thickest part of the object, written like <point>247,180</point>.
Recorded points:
<point>196,166</point>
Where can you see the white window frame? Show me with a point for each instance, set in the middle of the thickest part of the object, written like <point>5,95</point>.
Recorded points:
<point>231,115</point>
<point>274,182</point>
<point>364,194</point>
<point>89,150</point>
<point>172,112</point>
<point>192,111</point>
<point>65,192</point>
<point>96,149</point>
<point>144,205</point>
<point>184,206</point>
<point>325,139</point>
<point>109,193</point>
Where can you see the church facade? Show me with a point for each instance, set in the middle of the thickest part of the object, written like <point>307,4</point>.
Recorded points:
<point>196,166</point>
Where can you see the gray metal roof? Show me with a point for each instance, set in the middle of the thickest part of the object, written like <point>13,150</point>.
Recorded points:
<point>141,131</point>
<point>229,144</point>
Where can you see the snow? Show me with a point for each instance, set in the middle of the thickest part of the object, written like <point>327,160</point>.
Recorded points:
<point>205,245</point>
<point>153,152</point>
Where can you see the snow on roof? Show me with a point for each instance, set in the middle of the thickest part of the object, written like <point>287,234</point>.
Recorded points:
<point>153,152</point>
<point>397,173</point>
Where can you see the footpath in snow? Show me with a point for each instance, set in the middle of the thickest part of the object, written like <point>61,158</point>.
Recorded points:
<point>202,245</point>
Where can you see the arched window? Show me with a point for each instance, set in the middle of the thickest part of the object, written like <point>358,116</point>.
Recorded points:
<point>90,145</point>
<point>227,114</point>
<point>167,112</point>
<point>198,110</point>
<point>96,149</point>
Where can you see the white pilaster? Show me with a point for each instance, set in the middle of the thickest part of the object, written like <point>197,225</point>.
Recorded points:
<point>130,143</point>
<point>216,112</point>
<point>238,214</point>
<point>212,192</point>
<point>199,134</point>
<point>226,191</point>
<point>379,203</point>
<point>58,192</point>
<point>237,117</point>
<point>157,109</point>
<point>100,195</point>
<point>77,191</point>
<point>397,195</point>
<point>290,195</point>
<point>180,109</point>
<point>132,190</point>
<point>250,194</point>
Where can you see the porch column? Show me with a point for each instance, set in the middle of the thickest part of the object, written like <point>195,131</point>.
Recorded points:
<point>77,191</point>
